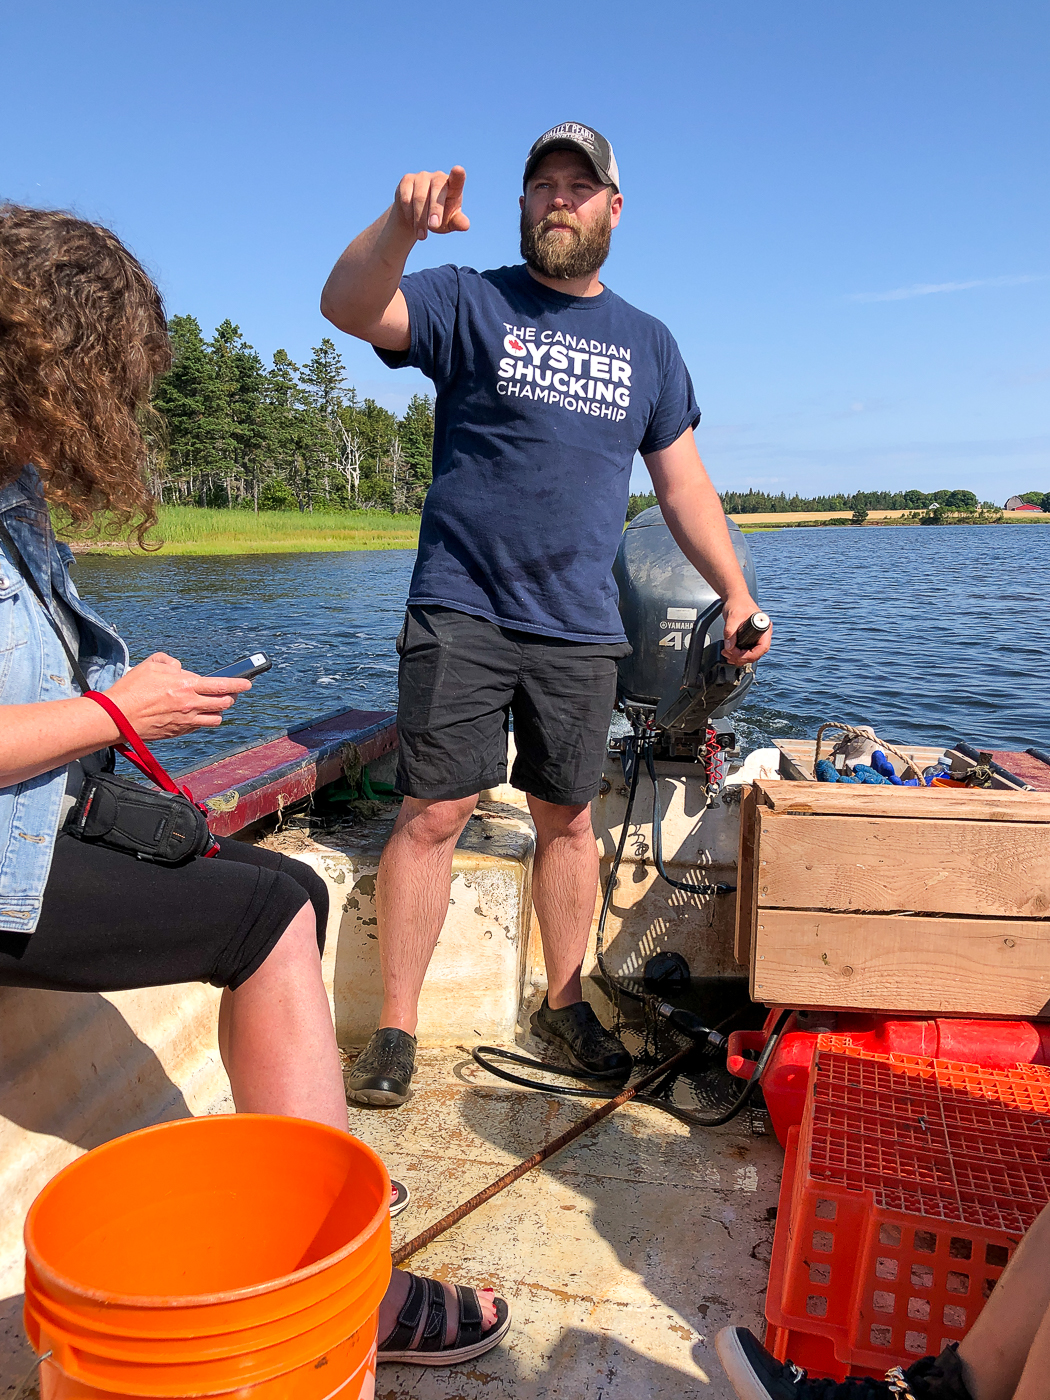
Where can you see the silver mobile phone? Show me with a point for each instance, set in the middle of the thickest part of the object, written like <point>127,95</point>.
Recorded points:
<point>247,668</point>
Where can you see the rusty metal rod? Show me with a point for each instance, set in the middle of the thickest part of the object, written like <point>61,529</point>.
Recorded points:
<point>446,1222</point>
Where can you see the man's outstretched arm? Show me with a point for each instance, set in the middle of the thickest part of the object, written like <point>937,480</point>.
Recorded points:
<point>695,518</point>
<point>362,295</point>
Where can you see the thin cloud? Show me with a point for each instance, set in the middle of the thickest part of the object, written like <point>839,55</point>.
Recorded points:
<point>925,289</point>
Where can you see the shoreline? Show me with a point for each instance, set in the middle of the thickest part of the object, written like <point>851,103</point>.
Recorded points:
<point>203,549</point>
<point>190,532</point>
<point>748,528</point>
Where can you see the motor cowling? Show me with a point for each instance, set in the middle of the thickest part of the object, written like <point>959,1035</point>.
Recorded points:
<point>672,618</point>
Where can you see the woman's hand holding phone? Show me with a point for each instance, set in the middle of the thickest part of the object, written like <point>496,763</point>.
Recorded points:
<point>164,701</point>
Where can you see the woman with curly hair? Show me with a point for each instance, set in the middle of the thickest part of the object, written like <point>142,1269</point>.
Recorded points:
<point>82,336</point>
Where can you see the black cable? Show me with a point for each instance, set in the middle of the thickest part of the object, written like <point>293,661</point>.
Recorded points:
<point>614,984</point>
<point>700,1121</point>
<point>640,741</point>
<point>656,1099</point>
<point>564,1091</point>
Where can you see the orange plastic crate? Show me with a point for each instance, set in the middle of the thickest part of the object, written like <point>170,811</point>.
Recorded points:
<point>913,1181</point>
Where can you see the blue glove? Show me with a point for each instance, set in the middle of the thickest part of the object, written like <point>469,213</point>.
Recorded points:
<point>868,775</point>
<point>882,765</point>
<point>828,773</point>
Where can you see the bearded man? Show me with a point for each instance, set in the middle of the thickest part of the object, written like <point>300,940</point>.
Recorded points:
<point>547,384</point>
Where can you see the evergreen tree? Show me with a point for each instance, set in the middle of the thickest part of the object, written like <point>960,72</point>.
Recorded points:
<point>184,398</point>
<point>324,375</point>
<point>244,384</point>
<point>416,434</point>
<point>283,397</point>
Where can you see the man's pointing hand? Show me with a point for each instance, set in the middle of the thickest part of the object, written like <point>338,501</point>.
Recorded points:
<point>431,202</point>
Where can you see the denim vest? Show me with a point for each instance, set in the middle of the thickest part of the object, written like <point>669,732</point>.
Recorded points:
<point>34,667</point>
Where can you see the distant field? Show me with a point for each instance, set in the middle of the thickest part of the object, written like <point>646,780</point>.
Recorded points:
<point>187,530</point>
<point>788,517</point>
<point>794,517</point>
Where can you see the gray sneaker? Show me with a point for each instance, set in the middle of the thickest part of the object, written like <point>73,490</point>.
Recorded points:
<point>382,1073</point>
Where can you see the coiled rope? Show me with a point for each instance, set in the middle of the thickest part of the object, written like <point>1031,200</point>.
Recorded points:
<point>850,731</point>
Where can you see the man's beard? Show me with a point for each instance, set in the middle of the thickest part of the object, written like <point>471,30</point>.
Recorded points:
<point>578,254</point>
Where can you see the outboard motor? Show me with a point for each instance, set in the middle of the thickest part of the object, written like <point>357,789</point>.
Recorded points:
<point>673,621</point>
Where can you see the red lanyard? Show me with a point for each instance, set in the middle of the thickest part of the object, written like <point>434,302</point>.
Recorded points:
<point>134,749</point>
<point>136,752</point>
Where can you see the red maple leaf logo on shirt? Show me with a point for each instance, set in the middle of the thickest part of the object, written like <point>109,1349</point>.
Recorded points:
<point>516,345</point>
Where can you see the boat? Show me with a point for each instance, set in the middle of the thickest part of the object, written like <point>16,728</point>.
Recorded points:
<point>625,1253</point>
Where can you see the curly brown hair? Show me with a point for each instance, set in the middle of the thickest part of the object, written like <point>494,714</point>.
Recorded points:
<point>82,336</point>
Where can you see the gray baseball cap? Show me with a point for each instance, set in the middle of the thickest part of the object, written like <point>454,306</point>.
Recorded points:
<point>574,136</point>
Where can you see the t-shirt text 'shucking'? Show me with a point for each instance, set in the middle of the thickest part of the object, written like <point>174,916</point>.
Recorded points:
<point>543,399</point>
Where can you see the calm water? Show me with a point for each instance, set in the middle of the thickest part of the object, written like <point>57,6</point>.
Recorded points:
<point>931,635</point>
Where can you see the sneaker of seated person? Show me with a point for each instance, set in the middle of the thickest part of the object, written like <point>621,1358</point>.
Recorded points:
<point>382,1073</point>
<point>756,1375</point>
<point>578,1033</point>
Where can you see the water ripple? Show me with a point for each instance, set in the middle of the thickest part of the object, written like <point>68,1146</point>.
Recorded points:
<point>931,635</point>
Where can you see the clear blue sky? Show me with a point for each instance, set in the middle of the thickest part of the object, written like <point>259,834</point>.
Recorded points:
<point>839,208</point>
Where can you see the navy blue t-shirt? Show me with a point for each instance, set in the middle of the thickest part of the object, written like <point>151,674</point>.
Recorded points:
<point>542,401</point>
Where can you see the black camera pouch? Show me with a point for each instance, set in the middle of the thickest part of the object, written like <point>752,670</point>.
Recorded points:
<point>162,827</point>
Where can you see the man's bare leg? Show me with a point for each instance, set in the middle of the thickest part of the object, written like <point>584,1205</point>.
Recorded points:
<point>1006,1353</point>
<point>412,894</point>
<point>564,887</point>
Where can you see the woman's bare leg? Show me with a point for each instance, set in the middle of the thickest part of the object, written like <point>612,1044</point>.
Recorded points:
<point>278,1045</point>
<point>280,1050</point>
<point>225,1003</point>
<point>1013,1327</point>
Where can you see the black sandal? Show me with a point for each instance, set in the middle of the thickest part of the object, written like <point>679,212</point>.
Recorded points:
<point>426,1302</point>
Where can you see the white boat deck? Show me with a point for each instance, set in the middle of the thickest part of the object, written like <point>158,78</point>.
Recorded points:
<point>621,1257</point>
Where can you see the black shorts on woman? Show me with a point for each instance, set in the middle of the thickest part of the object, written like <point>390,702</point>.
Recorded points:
<point>110,922</point>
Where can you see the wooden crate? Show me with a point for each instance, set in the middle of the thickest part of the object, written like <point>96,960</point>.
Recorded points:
<point>891,899</point>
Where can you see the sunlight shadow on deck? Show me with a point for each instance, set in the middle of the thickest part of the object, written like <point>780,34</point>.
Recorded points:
<point>621,1258</point>
<point>79,1069</point>
<point>16,1355</point>
<point>584,1363</point>
<point>66,1055</point>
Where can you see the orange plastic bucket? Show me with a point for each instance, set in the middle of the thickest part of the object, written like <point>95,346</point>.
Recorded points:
<point>243,1255</point>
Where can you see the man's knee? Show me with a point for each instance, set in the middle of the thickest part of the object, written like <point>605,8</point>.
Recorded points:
<point>554,820</point>
<point>434,823</point>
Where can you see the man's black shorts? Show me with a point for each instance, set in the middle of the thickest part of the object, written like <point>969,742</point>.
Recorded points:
<point>460,678</point>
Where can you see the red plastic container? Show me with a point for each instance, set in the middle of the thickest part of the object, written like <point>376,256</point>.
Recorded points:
<point>990,1044</point>
<point>906,1190</point>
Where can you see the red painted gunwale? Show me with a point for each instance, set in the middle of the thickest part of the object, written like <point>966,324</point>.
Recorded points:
<point>1026,767</point>
<point>257,782</point>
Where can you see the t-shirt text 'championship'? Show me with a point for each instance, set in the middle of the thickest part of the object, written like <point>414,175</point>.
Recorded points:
<point>543,399</point>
